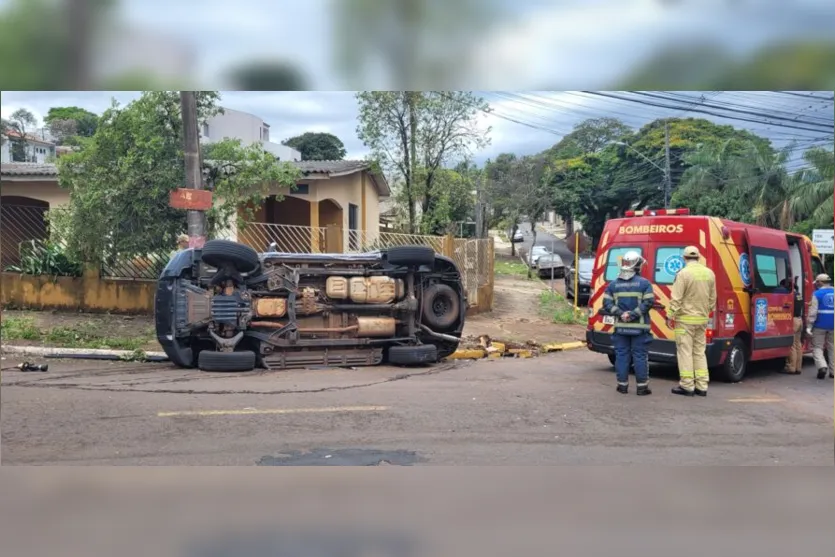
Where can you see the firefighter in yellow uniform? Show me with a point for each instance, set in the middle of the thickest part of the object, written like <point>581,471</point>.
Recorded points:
<point>692,301</point>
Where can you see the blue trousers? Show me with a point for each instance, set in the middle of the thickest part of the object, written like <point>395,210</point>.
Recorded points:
<point>631,350</point>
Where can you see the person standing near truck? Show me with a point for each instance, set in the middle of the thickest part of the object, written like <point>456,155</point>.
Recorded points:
<point>629,299</point>
<point>691,303</point>
<point>794,363</point>
<point>820,324</point>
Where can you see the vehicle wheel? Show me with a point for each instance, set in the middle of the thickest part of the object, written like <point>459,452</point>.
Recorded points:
<point>411,255</point>
<point>736,364</point>
<point>441,306</point>
<point>413,355</point>
<point>218,253</point>
<point>226,361</point>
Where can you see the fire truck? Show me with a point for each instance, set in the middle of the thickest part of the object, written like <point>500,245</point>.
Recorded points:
<point>753,319</point>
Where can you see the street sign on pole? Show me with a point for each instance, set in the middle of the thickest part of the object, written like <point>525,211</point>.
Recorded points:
<point>824,240</point>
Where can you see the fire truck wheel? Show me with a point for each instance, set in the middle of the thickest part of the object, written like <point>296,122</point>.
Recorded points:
<point>736,363</point>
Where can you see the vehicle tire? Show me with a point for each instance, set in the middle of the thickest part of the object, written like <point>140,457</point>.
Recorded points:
<point>226,361</point>
<point>736,363</point>
<point>411,255</point>
<point>441,306</point>
<point>413,355</point>
<point>218,253</point>
<point>568,294</point>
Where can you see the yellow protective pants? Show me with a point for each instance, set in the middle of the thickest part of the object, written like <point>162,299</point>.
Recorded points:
<point>692,360</point>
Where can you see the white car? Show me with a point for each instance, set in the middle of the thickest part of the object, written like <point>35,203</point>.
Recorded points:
<point>536,253</point>
<point>518,237</point>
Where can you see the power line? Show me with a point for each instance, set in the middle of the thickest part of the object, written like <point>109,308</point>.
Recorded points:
<point>741,111</point>
<point>809,95</point>
<point>649,103</point>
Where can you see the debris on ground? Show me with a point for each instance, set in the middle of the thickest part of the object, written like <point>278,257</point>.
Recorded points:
<point>475,348</point>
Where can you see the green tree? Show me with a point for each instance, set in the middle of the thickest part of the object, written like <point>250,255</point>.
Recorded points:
<point>411,130</point>
<point>811,194</point>
<point>68,121</point>
<point>454,203</point>
<point>317,146</point>
<point>590,136</point>
<point>120,180</point>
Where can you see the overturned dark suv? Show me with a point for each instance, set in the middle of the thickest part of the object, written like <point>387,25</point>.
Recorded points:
<point>228,308</point>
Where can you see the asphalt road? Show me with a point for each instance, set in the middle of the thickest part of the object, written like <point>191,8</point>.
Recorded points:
<point>553,243</point>
<point>559,409</point>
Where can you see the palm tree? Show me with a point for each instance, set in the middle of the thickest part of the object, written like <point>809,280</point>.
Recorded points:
<point>812,190</point>
<point>759,173</point>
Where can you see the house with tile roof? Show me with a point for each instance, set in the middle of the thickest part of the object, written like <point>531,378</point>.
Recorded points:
<point>342,196</point>
<point>35,149</point>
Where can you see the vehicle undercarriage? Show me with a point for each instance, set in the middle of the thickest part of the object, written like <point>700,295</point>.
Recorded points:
<point>227,308</point>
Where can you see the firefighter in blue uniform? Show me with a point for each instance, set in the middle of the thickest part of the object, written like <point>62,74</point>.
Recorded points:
<point>629,299</point>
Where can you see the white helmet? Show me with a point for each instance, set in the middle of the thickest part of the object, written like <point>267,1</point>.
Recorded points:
<point>630,264</point>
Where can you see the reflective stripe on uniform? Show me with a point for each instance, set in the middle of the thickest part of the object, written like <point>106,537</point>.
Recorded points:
<point>649,296</point>
<point>619,295</point>
<point>687,374</point>
<point>826,311</point>
<point>701,373</point>
<point>632,326</point>
<point>693,320</point>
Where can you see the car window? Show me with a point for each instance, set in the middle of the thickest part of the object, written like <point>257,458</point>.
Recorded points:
<point>586,265</point>
<point>668,262</point>
<point>613,261</point>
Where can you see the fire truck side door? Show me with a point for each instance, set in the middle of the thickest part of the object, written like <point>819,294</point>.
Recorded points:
<point>771,302</point>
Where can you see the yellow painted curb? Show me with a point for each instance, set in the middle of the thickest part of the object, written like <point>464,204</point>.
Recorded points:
<point>521,352</point>
<point>559,347</point>
<point>467,354</point>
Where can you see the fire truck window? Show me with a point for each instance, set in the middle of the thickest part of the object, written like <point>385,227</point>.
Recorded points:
<point>770,272</point>
<point>668,262</point>
<point>613,262</point>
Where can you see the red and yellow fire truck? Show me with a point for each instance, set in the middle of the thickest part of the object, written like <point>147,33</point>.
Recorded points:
<point>754,310</point>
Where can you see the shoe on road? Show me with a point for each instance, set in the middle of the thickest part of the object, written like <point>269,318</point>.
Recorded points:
<point>681,391</point>
<point>822,373</point>
<point>623,389</point>
<point>644,391</point>
<point>699,392</point>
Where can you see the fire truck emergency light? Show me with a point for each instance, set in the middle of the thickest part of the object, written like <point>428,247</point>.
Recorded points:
<point>657,212</point>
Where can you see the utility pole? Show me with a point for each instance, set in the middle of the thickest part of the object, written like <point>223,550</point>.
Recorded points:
<point>194,174</point>
<point>667,180</point>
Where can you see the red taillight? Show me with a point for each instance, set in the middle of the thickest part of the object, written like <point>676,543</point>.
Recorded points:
<point>709,336</point>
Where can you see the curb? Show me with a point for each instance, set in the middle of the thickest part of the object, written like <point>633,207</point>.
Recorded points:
<point>498,350</point>
<point>51,351</point>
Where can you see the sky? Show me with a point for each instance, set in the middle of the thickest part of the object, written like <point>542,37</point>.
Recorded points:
<point>542,118</point>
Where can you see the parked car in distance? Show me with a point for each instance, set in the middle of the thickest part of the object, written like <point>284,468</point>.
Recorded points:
<point>584,274</point>
<point>228,308</point>
<point>535,253</point>
<point>518,237</point>
<point>549,265</point>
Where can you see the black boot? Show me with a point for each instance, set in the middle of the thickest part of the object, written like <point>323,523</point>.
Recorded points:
<point>623,389</point>
<point>699,392</point>
<point>681,391</point>
<point>643,390</point>
<point>822,373</point>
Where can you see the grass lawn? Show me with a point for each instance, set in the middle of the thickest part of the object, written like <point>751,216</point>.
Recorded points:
<point>555,307</point>
<point>75,331</point>
<point>510,266</point>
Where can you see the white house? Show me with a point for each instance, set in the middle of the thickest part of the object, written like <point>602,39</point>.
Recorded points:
<point>235,124</point>
<point>35,150</point>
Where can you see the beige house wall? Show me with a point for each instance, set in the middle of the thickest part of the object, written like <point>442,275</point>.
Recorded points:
<point>48,191</point>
